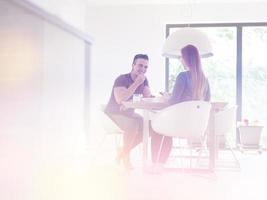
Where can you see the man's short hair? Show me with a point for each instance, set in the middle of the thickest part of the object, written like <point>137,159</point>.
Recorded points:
<point>142,56</point>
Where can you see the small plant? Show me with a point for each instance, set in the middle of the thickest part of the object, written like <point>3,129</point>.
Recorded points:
<point>246,122</point>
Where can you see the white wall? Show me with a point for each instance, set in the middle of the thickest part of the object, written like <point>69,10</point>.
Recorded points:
<point>62,94</point>
<point>71,11</point>
<point>41,105</point>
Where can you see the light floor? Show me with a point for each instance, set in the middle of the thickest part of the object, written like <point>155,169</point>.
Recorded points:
<point>227,183</point>
<point>25,175</point>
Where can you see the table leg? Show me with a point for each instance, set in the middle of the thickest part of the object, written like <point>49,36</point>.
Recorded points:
<point>145,136</point>
<point>212,148</point>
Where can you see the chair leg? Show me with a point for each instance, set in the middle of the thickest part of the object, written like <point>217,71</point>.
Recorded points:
<point>199,155</point>
<point>118,141</point>
<point>228,147</point>
<point>190,162</point>
<point>181,154</point>
<point>99,147</point>
<point>183,159</point>
<point>201,148</point>
<point>233,153</point>
<point>160,149</point>
<point>236,160</point>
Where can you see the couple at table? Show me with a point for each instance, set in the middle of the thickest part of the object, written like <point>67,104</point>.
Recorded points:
<point>190,84</point>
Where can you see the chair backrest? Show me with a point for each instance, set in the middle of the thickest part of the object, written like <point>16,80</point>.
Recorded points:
<point>109,126</point>
<point>185,120</point>
<point>225,120</point>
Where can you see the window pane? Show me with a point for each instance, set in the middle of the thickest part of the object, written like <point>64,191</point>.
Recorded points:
<point>220,68</point>
<point>254,76</point>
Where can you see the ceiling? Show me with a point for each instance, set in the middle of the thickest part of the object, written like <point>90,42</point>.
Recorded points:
<point>157,2</point>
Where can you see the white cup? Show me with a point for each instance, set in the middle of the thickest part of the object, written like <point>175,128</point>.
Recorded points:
<point>137,97</point>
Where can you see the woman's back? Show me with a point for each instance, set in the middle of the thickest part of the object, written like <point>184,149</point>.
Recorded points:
<point>184,89</point>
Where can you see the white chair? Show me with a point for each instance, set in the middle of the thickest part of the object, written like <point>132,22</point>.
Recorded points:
<point>109,126</point>
<point>225,123</point>
<point>110,129</point>
<point>187,120</point>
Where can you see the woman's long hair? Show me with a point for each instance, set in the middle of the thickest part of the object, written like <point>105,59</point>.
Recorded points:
<point>191,58</point>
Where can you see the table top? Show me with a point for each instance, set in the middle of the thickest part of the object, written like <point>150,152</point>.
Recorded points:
<point>157,103</point>
<point>146,103</point>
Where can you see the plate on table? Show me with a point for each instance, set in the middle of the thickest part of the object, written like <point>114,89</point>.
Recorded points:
<point>154,99</point>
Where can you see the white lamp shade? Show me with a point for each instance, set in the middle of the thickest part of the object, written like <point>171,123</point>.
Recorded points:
<point>185,36</point>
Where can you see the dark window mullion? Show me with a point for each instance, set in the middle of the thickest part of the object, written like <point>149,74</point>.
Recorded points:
<point>239,72</point>
<point>167,65</point>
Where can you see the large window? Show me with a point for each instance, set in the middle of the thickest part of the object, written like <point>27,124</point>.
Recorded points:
<point>238,70</point>
<point>255,75</point>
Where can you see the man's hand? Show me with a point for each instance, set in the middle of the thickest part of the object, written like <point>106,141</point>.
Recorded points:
<point>140,79</point>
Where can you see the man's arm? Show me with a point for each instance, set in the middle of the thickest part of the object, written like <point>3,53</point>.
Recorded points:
<point>123,94</point>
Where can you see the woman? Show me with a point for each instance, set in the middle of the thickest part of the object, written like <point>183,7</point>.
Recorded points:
<point>190,84</point>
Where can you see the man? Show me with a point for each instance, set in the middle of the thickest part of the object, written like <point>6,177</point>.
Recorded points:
<point>125,86</point>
